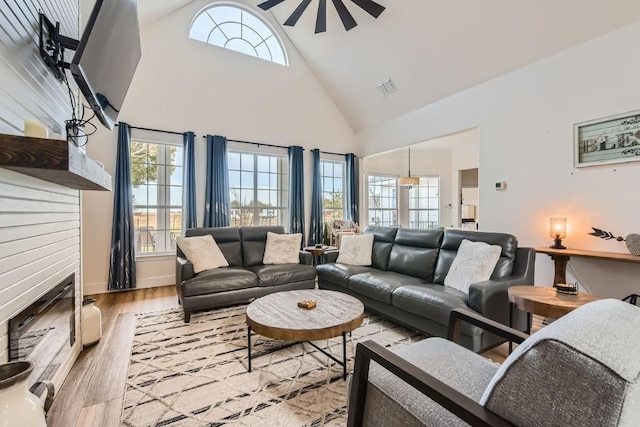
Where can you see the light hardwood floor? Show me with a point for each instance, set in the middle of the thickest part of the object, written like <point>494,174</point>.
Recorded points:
<point>92,393</point>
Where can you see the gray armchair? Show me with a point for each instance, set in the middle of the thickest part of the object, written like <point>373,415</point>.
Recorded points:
<point>582,370</point>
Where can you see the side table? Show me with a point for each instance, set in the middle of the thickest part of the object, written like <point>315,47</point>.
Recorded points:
<point>319,253</point>
<point>543,301</point>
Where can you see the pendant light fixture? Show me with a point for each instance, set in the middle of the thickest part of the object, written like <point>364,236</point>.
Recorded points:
<point>409,181</point>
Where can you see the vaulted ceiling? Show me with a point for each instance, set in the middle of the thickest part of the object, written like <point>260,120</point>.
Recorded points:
<point>430,48</point>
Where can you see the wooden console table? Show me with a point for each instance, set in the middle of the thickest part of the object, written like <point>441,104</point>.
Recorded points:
<point>560,258</point>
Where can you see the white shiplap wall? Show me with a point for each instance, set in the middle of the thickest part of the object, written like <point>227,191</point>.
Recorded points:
<point>39,221</point>
<point>27,89</point>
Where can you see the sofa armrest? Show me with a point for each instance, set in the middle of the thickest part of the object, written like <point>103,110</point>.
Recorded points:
<point>490,298</point>
<point>449,398</point>
<point>331,256</point>
<point>306,258</point>
<point>184,270</point>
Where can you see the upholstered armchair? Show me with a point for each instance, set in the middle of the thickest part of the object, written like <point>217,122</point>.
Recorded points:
<point>582,370</point>
<point>336,229</point>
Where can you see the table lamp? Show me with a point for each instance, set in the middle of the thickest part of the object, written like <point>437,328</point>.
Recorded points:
<point>558,230</point>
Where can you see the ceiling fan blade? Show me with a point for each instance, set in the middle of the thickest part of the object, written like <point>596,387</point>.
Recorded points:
<point>269,4</point>
<point>291,21</point>
<point>321,20</point>
<point>372,8</point>
<point>345,15</point>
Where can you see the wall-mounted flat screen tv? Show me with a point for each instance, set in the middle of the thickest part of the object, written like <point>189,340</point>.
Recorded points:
<point>107,57</point>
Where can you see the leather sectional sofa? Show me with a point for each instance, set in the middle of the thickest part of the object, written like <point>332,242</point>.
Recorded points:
<point>245,278</point>
<point>405,282</point>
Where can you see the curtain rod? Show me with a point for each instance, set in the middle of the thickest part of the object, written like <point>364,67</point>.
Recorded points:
<point>155,130</point>
<point>255,143</point>
<point>333,154</point>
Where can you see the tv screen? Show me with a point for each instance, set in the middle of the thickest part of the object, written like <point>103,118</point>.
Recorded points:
<point>107,57</point>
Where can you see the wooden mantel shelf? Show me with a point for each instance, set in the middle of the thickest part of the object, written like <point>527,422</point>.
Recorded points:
<point>52,160</point>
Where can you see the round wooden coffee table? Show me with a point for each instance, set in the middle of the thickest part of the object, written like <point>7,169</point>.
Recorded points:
<point>278,316</point>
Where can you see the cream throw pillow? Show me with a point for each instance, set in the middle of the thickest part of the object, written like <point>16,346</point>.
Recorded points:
<point>473,263</point>
<point>282,248</point>
<point>203,252</point>
<point>356,249</point>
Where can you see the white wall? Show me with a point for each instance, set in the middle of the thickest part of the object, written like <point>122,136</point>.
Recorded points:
<point>526,122</point>
<point>185,85</point>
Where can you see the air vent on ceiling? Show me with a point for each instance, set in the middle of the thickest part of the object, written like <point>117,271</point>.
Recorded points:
<point>387,87</point>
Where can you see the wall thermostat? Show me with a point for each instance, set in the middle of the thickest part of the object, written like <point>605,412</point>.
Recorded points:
<point>501,185</point>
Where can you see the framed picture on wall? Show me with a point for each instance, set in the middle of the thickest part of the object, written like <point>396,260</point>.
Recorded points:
<point>614,139</point>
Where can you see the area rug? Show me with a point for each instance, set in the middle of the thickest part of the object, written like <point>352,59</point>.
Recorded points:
<point>196,374</point>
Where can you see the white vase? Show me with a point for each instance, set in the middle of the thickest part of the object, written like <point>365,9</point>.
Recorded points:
<point>91,322</point>
<point>18,406</point>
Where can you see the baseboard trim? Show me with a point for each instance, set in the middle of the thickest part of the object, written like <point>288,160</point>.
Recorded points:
<point>142,283</point>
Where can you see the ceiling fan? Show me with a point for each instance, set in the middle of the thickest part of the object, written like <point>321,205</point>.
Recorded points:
<point>371,7</point>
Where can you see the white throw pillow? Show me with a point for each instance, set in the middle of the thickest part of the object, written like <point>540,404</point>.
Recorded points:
<point>282,248</point>
<point>355,249</point>
<point>473,263</point>
<point>203,252</point>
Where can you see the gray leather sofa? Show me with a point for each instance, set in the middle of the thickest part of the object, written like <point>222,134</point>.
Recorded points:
<point>245,278</point>
<point>405,282</point>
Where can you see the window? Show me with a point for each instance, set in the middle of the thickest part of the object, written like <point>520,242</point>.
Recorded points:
<point>383,200</point>
<point>235,28</point>
<point>332,190</point>
<point>258,187</point>
<point>424,204</point>
<point>156,178</point>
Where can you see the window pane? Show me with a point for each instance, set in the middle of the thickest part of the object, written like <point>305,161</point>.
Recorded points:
<point>262,204</point>
<point>233,161</point>
<point>156,175</point>
<point>239,30</point>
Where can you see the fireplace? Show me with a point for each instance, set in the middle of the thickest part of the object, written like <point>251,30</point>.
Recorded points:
<point>45,331</point>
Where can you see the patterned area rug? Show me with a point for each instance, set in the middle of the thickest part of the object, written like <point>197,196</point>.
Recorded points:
<point>196,374</point>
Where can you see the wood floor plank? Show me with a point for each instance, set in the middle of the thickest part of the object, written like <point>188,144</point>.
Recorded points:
<point>109,377</point>
<point>69,400</point>
<point>105,414</point>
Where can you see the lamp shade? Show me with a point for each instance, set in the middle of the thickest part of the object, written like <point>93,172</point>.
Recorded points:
<point>558,228</point>
<point>409,181</point>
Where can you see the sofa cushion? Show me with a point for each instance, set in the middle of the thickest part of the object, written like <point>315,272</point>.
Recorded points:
<point>281,274</point>
<point>415,253</point>
<point>356,250</point>
<point>203,252</point>
<point>383,238</point>
<point>379,285</point>
<point>432,301</point>
<point>452,239</point>
<point>227,239</point>
<point>282,248</point>
<point>392,402</point>
<point>473,263</point>
<point>254,240</point>
<point>219,280</point>
<point>340,273</point>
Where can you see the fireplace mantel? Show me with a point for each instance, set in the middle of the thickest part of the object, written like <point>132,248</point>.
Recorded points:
<point>52,160</point>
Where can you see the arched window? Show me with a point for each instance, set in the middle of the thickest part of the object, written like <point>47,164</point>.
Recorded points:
<point>235,28</point>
